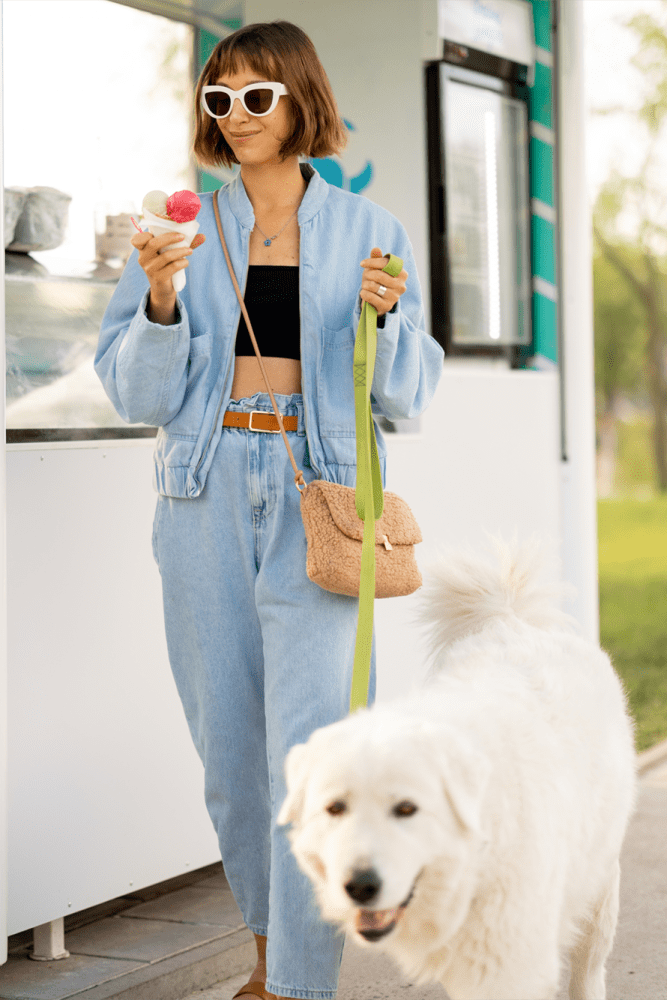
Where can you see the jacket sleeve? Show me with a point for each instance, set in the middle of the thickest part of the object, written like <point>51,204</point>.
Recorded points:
<point>409,361</point>
<point>142,365</point>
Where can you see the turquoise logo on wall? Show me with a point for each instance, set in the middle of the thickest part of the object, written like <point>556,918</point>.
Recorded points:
<point>333,173</point>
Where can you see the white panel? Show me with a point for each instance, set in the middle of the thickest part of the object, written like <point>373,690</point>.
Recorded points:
<point>576,301</point>
<point>431,45</point>
<point>486,460</point>
<point>3,588</point>
<point>106,790</point>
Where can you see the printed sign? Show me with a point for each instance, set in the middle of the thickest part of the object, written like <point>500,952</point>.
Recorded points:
<point>332,171</point>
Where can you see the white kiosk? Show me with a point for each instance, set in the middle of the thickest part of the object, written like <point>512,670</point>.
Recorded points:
<point>467,122</point>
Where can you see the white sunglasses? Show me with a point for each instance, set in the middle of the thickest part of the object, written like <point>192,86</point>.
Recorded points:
<point>257,98</point>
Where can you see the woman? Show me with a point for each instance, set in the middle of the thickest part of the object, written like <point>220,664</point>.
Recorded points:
<point>261,656</point>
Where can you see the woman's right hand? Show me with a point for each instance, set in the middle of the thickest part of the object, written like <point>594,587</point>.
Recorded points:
<point>160,267</point>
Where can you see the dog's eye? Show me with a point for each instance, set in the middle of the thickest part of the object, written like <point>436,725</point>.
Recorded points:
<point>336,808</point>
<point>404,808</point>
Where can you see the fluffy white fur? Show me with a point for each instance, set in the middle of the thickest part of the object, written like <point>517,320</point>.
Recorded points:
<point>518,756</point>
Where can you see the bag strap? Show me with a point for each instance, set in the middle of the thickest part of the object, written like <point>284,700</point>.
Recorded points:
<point>369,495</point>
<point>299,481</point>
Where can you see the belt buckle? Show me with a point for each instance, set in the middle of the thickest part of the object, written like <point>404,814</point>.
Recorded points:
<point>261,430</point>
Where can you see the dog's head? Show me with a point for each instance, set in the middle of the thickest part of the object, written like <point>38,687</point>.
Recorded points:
<point>378,805</point>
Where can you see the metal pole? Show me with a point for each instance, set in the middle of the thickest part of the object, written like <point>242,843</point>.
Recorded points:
<point>3,583</point>
<point>578,494</point>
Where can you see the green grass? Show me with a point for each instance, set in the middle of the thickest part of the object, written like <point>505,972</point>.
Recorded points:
<point>632,536</point>
<point>636,465</point>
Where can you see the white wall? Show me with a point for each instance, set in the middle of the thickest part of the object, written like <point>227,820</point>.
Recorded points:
<point>486,461</point>
<point>106,789</point>
<point>371,52</point>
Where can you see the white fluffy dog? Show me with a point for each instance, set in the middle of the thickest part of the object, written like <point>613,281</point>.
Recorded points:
<point>473,829</point>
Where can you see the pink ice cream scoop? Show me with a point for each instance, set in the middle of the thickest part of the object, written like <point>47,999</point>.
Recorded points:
<point>162,214</point>
<point>182,206</point>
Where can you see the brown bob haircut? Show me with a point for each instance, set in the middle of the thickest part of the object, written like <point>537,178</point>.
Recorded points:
<point>278,52</point>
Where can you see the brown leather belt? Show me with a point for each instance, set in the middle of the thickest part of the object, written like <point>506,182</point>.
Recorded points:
<point>259,420</point>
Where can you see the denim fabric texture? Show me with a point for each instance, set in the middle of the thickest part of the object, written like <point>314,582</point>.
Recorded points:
<point>179,377</point>
<point>261,657</point>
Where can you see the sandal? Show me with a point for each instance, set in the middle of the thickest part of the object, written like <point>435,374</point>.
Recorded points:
<point>256,989</point>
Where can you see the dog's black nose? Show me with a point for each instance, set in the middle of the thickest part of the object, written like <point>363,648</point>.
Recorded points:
<point>364,885</point>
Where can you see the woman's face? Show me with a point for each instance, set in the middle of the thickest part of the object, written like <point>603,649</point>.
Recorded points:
<point>254,140</point>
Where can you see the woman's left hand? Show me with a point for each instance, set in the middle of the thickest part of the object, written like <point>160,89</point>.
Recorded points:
<point>375,278</point>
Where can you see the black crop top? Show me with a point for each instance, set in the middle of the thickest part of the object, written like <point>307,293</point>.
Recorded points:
<point>272,300</point>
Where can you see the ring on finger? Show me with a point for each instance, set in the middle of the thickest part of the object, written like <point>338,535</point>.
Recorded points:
<point>381,289</point>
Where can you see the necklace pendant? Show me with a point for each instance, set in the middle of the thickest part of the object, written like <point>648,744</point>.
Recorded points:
<point>267,243</point>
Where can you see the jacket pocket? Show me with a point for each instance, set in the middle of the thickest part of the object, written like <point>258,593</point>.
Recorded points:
<point>188,420</point>
<point>335,383</point>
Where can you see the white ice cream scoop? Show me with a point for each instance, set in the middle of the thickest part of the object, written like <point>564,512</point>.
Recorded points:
<point>156,202</point>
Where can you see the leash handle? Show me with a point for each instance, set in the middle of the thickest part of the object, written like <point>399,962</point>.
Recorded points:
<point>369,495</point>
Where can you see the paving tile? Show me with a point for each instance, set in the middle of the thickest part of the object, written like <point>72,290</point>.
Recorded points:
<point>23,979</point>
<point>656,777</point>
<point>221,991</point>
<point>142,940</point>
<point>212,876</point>
<point>176,977</point>
<point>216,881</point>
<point>23,942</point>
<point>196,904</point>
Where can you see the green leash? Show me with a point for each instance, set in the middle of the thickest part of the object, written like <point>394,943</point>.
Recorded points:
<point>369,495</point>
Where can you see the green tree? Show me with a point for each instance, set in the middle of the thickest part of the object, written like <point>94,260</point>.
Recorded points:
<point>620,331</point>
<point>619,348</point>
<point>641,262</point>
<point>629,332</point>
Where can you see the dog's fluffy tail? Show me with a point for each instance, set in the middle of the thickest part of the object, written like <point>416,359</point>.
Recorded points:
<point>464,591</point>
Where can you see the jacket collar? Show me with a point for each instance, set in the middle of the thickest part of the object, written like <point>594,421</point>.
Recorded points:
<point>311,203</point>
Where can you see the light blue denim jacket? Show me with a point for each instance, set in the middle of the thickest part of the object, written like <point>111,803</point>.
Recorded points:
<point>179,377</point>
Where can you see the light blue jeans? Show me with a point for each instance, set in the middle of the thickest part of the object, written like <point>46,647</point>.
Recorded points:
<point>261,657</point>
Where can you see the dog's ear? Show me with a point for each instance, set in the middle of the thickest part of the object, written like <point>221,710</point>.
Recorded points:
<point>295,774</point>
<point>465,773</point>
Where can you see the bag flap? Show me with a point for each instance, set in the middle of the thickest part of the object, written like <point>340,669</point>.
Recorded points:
<point>397,522</point>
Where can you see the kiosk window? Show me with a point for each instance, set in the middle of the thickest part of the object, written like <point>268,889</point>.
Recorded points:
<point>480,215</point>
<point>486,135</point>
<point>105,137</point>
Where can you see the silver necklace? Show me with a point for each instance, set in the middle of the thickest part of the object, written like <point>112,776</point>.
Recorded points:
<point>267,239</point>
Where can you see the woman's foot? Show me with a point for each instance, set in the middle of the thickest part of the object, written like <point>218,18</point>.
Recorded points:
<point>258,975</point>
<point>259,972</point>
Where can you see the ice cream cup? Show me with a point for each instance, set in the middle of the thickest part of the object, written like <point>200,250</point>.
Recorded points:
<point>158,226</point>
